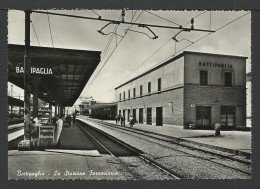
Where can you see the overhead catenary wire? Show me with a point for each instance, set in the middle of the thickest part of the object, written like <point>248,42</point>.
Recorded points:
<point>163,18</point>
<point>112,52</point>
<point>195,17</point>
<point>115,33</point>
<point>50,30</point>
<point>205,36</point>
<point>35,33</point>
<point>210,20</point>
<point>162,47</point>
<point>120,22</point>
<point>96,13</point>
<point>90,83</point>
<point>148,58</point>
<point>171,56</point>
<point>110,39</point>
<point>175,46</point>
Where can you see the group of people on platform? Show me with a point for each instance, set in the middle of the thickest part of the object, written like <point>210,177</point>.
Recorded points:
<point>58,121</point>
<point>121,119</point>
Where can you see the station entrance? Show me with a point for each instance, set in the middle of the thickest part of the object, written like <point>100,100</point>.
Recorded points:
<point>141,115</point>
<point>159,116</point>
<point>203,116</point>
<point>149,116</point>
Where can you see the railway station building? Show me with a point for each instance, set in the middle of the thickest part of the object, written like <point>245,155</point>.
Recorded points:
<point>191,90</point>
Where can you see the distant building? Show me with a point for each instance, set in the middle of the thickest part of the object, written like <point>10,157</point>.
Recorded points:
<point>84,107</point>
<point>103,110</point>
<point>191,88</point>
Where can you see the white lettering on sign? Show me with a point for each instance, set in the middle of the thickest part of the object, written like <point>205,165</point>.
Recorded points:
<point>215,65</point>
<point>34,70</point>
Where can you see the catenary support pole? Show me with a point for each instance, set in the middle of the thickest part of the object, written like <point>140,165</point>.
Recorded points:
<point>27,87</point>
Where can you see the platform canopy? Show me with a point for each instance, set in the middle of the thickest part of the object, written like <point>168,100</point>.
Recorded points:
<point>15,102</point>
<point>62,73</point>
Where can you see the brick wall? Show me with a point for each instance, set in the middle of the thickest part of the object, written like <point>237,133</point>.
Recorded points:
<point>171,101</point>
<point>214,96</point>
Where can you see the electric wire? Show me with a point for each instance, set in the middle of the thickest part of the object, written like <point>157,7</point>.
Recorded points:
<point>149,57</point>
<point>114,50</point>
<point>163,18</point>
<point>35,33</point>
<point>175,45</point>
<point>90,83</point>
<point>95,13</point>
<point>195,17</point>
<point>210,20</point>
<point>161,48</point>
<point>176,52</point>
<point>205,36</point>
<point>50,30</point>
<point>110,40</point>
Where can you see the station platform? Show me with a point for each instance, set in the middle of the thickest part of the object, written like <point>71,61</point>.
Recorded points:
<point>75,158</point>
<point>237,142</point>
<point>58,164</point>
<point>16,134</point>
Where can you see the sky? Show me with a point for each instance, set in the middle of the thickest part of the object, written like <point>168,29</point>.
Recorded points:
<point>128,56</point>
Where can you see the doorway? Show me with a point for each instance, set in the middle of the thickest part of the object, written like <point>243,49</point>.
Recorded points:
<point>149,116</point>
<point>203,115</point>
<point>159,116</point>
<point>134,114</point>
<point>141,115</point>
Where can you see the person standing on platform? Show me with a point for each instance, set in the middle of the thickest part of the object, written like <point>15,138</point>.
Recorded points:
<point>122,120</point>
<point>131,121</point>
<point>36,120</point>
<point>58,129</point>
<point>117,118</point>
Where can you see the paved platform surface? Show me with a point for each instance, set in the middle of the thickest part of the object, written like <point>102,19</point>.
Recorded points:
<point>58,164</point>
<point>75,158</point>
<point>233,140</point>
<point>73,138</point>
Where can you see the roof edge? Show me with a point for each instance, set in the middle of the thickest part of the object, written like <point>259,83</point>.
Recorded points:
<point>173,59</point>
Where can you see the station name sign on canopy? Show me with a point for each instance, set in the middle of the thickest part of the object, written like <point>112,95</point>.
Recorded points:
<point>62,73</point>
<point>35,70</point>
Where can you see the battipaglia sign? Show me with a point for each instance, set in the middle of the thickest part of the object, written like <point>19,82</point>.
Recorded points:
<point>35,70</point>
<point>215,65</point>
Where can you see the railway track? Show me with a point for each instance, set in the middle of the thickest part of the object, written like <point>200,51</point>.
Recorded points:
<point>95,134</point>
<point>12,129</point>
<point>245,163</point>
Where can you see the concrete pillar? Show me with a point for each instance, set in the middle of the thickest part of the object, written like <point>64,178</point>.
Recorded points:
<point>61,111</point>
<point>27,67</point>
<point>58,110</point>
<point>55,110</point>
<point>11,109</point>
<point>50,107</point>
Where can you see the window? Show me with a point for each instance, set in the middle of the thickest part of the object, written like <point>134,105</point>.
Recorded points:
<point>124,95</point>
<point>141,90</point>
<point>134,92</point>
<point>149,87</point>
<point>203,77</point>
<point>227,115</point>
<point>228,79</point>
<point>129,93</point>
<point>159,84</point>
<point>119,96</point>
